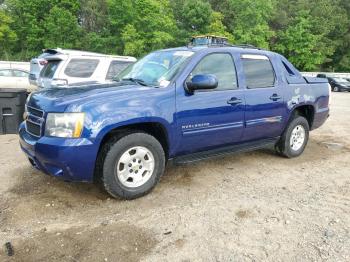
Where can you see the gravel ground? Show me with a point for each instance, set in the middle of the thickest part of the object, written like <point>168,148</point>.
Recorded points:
<point>249,207</point>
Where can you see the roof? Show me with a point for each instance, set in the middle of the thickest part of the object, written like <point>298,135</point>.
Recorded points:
<point>239,48</point>
<point>59,51</point>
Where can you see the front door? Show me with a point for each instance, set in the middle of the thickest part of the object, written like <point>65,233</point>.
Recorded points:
<point>265,108</point>
<point>211,118</point>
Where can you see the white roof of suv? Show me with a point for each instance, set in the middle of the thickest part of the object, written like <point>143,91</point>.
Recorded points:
<point>59,51</point>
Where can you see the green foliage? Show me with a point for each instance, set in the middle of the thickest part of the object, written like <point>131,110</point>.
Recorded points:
<point>196,16</point>
<point>7,35</point>
<point>299,44</point>
<point>63,29</point>
<point>313,34</point>
<point>251,22</point>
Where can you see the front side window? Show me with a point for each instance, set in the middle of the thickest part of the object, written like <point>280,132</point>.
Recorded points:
<point>221,65</point>
<point>49,69</point>
<point>115,68</point>
<point>258,71</point>
<point>19,73</point>
<point>82,68</point>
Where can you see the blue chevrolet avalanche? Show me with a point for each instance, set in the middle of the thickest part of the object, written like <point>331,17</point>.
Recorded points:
<point>182,104</point>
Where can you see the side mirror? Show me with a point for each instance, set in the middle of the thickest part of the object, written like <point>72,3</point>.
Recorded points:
<point>201,82</point>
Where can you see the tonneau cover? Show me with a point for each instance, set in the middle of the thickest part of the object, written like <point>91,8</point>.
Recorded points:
<point>315,80</point>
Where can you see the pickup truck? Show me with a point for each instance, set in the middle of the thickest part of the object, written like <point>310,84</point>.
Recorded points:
<point>181,104</point>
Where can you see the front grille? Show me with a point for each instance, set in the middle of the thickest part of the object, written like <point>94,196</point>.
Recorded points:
<point>33,128</point>
<point>34,121</point>
<point>35,112</point>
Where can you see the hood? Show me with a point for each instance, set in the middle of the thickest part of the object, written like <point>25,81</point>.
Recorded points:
<point>58,99</point>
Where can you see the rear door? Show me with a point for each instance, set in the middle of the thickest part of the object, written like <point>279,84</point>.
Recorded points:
<point>265,107</point>
<point>21,78</point>
<point>6,79</point>
<point>211,118</point>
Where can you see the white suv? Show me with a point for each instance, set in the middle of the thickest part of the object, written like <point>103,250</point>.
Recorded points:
<point>68,67</point>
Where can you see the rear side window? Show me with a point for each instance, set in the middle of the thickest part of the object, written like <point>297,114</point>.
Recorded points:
<point>5,72</point>
<point>258,71</point>
<point>220,65</point>
<point>83,68</point>
<point>115,68</point>
<point>50,69</point>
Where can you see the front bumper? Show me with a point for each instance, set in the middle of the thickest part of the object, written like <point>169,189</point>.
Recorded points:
<point>68,159</point>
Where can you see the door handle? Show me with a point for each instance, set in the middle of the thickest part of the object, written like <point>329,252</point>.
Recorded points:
<point>275,97</point>
<point>234,101</point>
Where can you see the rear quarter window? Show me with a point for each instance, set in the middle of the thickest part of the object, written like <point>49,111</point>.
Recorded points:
<point>82,68</point>
<point>115,68</point>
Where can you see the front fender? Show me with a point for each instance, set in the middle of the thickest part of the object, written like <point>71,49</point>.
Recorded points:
<point>142,120</point>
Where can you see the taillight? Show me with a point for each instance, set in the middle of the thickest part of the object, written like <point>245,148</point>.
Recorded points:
<point>43,62</point>
<point>330,94</point>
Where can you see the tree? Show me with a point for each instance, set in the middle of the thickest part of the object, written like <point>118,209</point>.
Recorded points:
<point>217,27</point>
<point>30,20</point>
<point>93,15</point>
<point>7,35</point>
<point>196,16</point>
<point>61,29</point>
<point>299,44</point>
<point>143,26</point>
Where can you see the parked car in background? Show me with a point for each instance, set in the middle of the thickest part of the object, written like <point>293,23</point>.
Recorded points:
<point>14,78</point>
<point>339,84</point>
<point>182,104</point>
<point>67,67</point>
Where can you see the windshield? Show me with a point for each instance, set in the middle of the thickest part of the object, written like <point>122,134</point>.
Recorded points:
<point>156,69</point>
<point>341,80</point>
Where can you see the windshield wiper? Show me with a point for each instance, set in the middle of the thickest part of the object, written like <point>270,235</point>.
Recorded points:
<point>136,80</point>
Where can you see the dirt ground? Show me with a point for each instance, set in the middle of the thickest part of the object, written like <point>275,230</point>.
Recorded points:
<point>249,207</point>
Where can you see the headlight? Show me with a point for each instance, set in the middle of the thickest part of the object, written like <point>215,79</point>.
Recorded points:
<point>64,124</point>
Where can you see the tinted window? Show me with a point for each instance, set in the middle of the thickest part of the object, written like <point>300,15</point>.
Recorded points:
<point>50,69</point>
<point>5,72</point>
<point>18,73</point>
<point>83,68</point>
<point>220,65</point>
<point>115,68</point>
<point>258,71</point>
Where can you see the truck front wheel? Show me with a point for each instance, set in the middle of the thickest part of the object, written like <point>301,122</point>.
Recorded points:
<point>294,139</point>
<point>133,165</point>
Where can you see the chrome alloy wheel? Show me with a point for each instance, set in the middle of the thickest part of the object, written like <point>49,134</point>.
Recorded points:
<point>135,167</point>
<point>297,137</point>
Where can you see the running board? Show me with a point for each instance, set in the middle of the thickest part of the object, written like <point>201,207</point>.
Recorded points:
<point>245,147</point>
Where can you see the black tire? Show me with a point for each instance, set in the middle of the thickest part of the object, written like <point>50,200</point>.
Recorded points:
<point>336,89</point>
<point>283,147</point>
<point>115,150</point>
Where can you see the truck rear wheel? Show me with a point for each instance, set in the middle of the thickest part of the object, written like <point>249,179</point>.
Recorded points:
<point>133,165</point>
<point>294,139</point>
